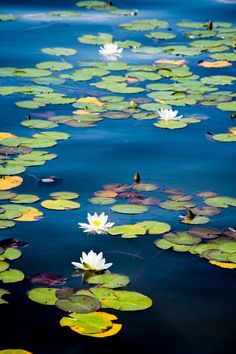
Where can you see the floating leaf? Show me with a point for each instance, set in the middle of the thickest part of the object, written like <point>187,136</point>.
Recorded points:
<point>79,304</point>
<point>196,220</point>
<point>129,209</point>
<point>14,351</point>
<point>64,195</point>
<point>111,281</point>
<point>3,266</point>
<point>32,214</point>
<point>24,198</point>
<point>182,238</point>
<point>173,205</point>
<point>2,301</point>
<point>10,254</point>
<point>11,276</point>
<point>96,324</point>
<point>54,65</point>
<point>59,51</point>
<point>226,265</point>
<point>44,296</point>
<point>204,232</point>
<point>145,187</point>
<point>128,231</point>
<point>60,204</point>
<point>144,25</point>
<point>9,182</point>
<point>215,64</point>
<point>221,202</point>
<point>102,201</point>
<point>4,224</point>
<point>39,124</point>
<point>47,279</point>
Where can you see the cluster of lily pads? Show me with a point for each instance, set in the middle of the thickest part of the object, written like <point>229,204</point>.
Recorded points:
<point>138,200</point>
<point>83,305</point>
<point>219,247</point>
<point>177,84</point>
<point>8,275</point>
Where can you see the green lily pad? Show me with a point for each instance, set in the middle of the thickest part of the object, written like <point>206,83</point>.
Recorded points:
<point>216,255</point>
<point>100,38</point>
<point>2,293</point>
<point>227,106</point>
<point>4,224</point>
<point>160,35</point>
<point>52,135</point>
<point>39,124</point>
<point>54,65</point>
<point>111,281</point>
<point>155,227</point>
<point>64,195</point>
<point>144,25</point>
<point>11,276</point>
<point>120,299</point>
<point>25,198</point>
<point>229,247</point>
<point>170,124</point>
<point>196,220</point>
<point>102,201</point>
<point>128,231</point>
<point>44,296</point>
<point>145,187</point>
<point>175,205</point>
<point>221,202</point>
<point>79,304</point>
<point>3,266</point>
<point>91,324</point>
<point>10,254</point>
<point>8,17</point>
<point>232,257</point>
<point>59,51</point>
<point>182,238</point>
<point>129,209</point>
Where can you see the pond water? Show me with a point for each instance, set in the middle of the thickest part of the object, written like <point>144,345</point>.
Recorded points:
<point>193,307</point>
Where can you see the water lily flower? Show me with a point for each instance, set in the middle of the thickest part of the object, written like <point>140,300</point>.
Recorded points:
<point>168,114</point>
<point>110,51</point>
<point>92,261</point>
<point>97,223</point>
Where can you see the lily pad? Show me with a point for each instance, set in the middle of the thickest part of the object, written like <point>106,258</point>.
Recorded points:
<point>44,296</point>
<point>129,209</point>
<point>11,276</point>
<point>59,51</point>
<point>24,199</point>
<point>60,204</point>
<point>2,301</point>
<point>128,231</point>
<point>145,187</point>
<point>79,304</point>
<point>102,201</point>
<point>64,195</point>
<point>111,281</point>
<point>221,202</point>
<point>39,124</point>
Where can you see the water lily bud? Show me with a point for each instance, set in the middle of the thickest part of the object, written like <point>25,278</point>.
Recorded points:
<point>137,178</point>
<point>109,3</point>
<point>210,26</point>
<point>28,116</point>
<point>233,115</point>
<point>190,215</point>
<point>133,105</point>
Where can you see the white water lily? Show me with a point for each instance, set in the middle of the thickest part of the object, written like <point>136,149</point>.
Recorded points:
<point>110,51</point>
<point>92,261</point>
<point>97,223</point>
<point>168,114</point>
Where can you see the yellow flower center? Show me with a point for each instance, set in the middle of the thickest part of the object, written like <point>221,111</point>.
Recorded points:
<point>97,222</point>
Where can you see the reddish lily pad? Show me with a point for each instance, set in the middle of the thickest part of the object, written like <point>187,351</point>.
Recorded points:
<point>47,279</point>
<point>204,232</point>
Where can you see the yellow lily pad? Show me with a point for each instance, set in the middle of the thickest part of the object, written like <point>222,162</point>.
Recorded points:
<point>60,204</point>
<point>9,182</point>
